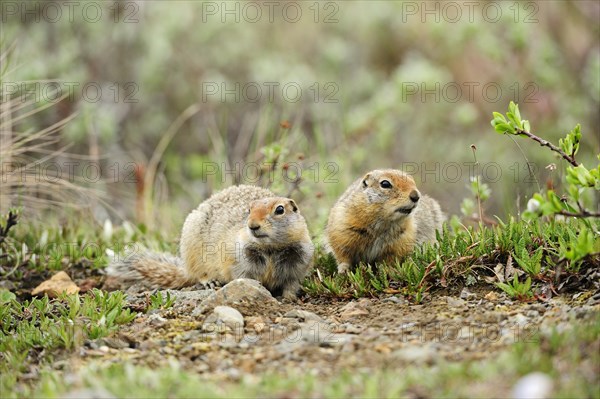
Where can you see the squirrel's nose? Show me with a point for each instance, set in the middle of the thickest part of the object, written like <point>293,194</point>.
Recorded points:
<point>253,226</point>
<point>414,196</point>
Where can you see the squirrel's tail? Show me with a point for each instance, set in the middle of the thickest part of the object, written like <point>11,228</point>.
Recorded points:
<point>156,270</point>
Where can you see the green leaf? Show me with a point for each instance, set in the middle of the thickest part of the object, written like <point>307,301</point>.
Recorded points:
<point>498,116</point>
<point>515,122</point>
<point>504,128</point>
<point>516,112</point>
<point>6,296</point>
<point>580,176</point>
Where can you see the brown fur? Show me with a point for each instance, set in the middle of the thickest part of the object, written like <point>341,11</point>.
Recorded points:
<point>236,233</point>
<point>372,224</point>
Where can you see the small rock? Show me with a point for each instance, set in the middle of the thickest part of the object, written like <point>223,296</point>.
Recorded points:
<point>491,296</point>
<point>467,295</point>
<point>491,316</point>
<point>156,321</point>
<point>195,296</point>
<point>520,319</point>
<point>239,290</point>
<point>313,333</point>
<point>257,323</point>
<point>114,343</point>
<point>455,302</point>
<point>193,335</point>
<point>416,354</point>
<point>228,341</point>
<point>353,309</point>
<point>532,386</point>
<point>302,315</point>
<point>233,374</point>
<point>352,329</point>
<point>225,316</point>
<point>532,313</point>
<point>395,299</point>
<point>59,283</point>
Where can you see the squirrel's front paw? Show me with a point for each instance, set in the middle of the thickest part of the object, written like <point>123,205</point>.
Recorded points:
<point>290,294</point>
<point>343,268</point>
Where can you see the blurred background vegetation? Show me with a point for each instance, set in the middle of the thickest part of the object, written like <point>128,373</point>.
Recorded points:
<point>163,98</point>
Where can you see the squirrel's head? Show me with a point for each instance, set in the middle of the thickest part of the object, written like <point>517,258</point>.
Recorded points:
<point>275,220</point>
<point>392,191</point>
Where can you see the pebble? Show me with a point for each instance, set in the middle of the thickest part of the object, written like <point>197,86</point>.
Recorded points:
<point>533,386</point>
<point>532,313</point>
<point>416,354</point>
<point>491,296</point>
<point>224,316</point>
<point>520,319</point>
<point>237,291</point>
<point>466,294</point>
<point>56,285</point>
<point>395,299</point>
<point>352,329</point>
<point>455,302</point>
<point>156,321</point>
<point>354,308</point>
<point>312,334</point>
<point>255,322</point>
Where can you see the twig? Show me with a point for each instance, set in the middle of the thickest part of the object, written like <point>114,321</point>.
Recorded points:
<point>583,214</point>
<point>11,221</point>
<point>427,272</point>
<point>546,143</point>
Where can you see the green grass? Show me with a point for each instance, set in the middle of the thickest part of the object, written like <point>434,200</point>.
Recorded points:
<point>33,330</point>
<point>45,249</point>
<point>466,256</point>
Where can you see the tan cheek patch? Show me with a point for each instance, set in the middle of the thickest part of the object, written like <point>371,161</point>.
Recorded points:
<point>405,185</point>
<point>259,213</point>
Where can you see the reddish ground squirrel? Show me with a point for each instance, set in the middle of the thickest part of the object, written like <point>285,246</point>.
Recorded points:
<point>381,217</point>
<point>240,232</point>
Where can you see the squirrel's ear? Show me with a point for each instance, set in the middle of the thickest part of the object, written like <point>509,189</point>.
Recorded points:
<point>366,179</point>
<point>293,205</point>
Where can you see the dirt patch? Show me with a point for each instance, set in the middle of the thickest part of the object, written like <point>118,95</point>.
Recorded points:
<point>327,336</point>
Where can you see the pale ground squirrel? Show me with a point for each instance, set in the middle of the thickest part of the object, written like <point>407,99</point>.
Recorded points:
<point>240,232</point>
<point>381,217</point>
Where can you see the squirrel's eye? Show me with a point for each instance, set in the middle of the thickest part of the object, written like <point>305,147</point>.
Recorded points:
<point>385,184</point>
<point>279,210</point>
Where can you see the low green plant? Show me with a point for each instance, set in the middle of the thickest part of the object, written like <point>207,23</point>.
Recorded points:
<point>158,301</point>
<point>529,262</point>
<point>578,247</point>
<point>580,180</point>
<point>580,183</point>
<point>466,255</point>
<point>517,289</point>
<point>45,325</point>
